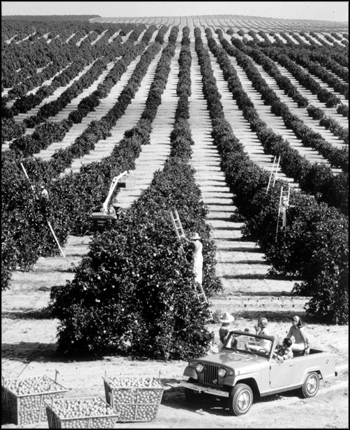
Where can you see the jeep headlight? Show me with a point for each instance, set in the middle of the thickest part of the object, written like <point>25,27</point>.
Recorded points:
<point>222,372</point>
<point>199,368</point>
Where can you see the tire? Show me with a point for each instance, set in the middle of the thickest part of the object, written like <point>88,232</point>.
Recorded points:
<point>241,399</point>
<point>311,385</point>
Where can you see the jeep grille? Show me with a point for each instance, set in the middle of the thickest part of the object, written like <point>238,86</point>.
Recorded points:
<point>210,374</point>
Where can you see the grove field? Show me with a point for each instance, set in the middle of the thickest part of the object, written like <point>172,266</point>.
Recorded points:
<point>198,110</point>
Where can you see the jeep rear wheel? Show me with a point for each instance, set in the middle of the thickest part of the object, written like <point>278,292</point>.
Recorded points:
<point>241,399</point>
<point>311,385</point>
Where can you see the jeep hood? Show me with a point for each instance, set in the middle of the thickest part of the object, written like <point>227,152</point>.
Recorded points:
<point>234,360</point>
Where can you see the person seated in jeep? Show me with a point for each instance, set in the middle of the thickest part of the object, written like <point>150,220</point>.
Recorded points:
<point>301,345</point>
<point>260,329</point>
<point>284,352</point>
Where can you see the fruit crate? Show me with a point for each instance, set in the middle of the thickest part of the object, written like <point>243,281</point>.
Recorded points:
<point>22,399</point>
<point>83,412</point>
<point>134,399</point>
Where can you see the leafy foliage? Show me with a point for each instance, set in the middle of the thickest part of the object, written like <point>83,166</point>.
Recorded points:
<point>314,244</point>
<point>135,289</point>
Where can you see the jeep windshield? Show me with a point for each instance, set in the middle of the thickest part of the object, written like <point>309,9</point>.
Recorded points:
<point>249,343</point>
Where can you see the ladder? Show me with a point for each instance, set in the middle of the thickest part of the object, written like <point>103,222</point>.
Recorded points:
<point>274,171</point>
<point>180,233</point>
<point>282,208</point>
<point>48,222</point>
<point>200,294</point>
<point>202,297</point>
<point>177,224</point>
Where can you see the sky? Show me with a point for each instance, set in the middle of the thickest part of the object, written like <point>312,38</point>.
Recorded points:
<point>322,10</point>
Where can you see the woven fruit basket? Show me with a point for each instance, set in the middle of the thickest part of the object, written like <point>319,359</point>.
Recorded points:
<point>23,399</point>
<point>134,399</point>
<point>85,412</point>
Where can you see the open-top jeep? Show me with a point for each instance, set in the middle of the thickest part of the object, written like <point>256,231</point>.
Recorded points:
<point>246,368</point>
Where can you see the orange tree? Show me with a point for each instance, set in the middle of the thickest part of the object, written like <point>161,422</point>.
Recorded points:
<point>134,290</point>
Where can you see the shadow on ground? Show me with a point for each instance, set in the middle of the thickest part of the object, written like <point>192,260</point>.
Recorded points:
<point>47,352</point>
<point>37,314</point>
<point>29,351</point>
<point>272,316</point>
<point>174,397</point>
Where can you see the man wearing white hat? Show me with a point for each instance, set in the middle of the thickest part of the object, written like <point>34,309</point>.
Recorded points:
<point>197,256</point>
<point>226,319</point>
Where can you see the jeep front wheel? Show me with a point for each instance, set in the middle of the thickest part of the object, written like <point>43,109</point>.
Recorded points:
<point>241,399</point>
<point>311,385</point>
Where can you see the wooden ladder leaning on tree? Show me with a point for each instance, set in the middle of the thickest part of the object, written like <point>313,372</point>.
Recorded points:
<point>180,233</point>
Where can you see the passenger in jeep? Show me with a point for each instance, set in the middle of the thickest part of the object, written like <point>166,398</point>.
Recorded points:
<point>301,341</point>
<point>284,352</point>
<point>261,329</point>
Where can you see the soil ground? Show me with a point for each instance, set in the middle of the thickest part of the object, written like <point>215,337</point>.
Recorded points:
<point>28,348</point>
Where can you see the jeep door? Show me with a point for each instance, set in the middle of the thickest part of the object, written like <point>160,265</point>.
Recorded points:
<point>281,374</point>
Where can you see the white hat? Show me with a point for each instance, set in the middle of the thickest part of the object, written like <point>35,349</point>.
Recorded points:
<point>227,318</point>
<point>196,236</point>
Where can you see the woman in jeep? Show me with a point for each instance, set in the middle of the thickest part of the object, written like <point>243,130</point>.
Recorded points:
<point>260,329</point>
<point>301,341</point>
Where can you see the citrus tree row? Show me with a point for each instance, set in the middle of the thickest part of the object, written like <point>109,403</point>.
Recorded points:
<point>86,51</point>
<point>304,78</point>
<point>324,57</point>
<point>33,79</point>
<point>27,103</point>
<point>329,123</point>
<point>64,193</point>
<point>337,157</point>
<point>82,57</point>
<point>334,58</point>
<point>314,245</point>
<point>320,72</point>
<point>18,29</point>
<point>270,67</point>
<point>27,57</point>
<point>305,41</point>
<point>39,139</point>
<point>135,288</point>
<point>314,178</point>
<point>328,60</point>
<point>21,210</point>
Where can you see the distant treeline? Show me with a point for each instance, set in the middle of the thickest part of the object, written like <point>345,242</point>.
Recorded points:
<point>49,17</point>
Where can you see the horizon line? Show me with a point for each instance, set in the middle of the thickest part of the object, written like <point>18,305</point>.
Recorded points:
<point>179,16</point>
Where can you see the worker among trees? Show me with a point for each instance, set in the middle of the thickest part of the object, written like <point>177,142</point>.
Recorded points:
<point>283,210</point>
<point>197,256</point>
<point>44,201</point>
<point>44,193</point>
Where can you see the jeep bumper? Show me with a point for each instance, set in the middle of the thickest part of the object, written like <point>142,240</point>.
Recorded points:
<point>202,389</point>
